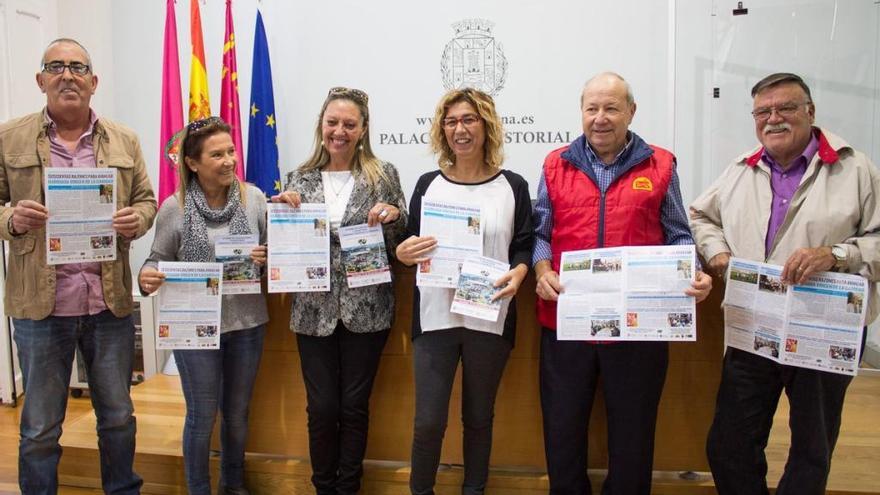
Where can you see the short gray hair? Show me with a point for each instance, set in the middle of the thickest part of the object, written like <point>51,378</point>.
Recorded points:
<point>69,41</point>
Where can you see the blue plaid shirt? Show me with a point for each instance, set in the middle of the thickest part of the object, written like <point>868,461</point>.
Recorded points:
<point>673,216</point>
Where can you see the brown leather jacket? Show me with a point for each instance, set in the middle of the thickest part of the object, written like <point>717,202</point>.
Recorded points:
<point>24,151</point>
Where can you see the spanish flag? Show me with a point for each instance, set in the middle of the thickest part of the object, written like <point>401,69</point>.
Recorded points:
<point>230,110</point>
<point>199,101</point>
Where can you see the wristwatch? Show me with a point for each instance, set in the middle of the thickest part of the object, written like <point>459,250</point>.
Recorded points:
<point>839,252</point>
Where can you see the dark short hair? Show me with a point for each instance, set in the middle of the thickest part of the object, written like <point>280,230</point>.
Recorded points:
<point>781,78</point>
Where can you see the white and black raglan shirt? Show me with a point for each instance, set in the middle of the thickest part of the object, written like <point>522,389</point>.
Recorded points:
<point>507,236</point>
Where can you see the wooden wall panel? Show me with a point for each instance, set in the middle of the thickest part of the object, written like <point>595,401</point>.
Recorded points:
<point>278,417</point>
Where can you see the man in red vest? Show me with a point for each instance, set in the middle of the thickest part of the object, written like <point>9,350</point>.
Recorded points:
<point>607,188</point>
<point>806,200</point>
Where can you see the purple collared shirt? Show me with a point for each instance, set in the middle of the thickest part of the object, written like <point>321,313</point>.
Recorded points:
<point>784,183</point>
<point>78,287</point>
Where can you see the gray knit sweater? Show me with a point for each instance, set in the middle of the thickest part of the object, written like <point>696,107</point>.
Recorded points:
<point>239,311</point>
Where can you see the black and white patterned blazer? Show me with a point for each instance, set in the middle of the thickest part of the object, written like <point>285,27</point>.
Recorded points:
<point>362,309</point>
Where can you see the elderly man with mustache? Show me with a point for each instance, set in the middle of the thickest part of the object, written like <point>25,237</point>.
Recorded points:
<point>807,200</point>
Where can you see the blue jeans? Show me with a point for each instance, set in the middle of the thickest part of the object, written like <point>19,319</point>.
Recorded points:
<point>209,378</point>
<point>45,350</point>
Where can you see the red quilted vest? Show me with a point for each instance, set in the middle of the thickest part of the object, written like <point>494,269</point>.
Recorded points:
<point>629,215</point>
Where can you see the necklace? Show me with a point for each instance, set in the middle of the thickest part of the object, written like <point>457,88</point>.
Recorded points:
<point>332,182</point>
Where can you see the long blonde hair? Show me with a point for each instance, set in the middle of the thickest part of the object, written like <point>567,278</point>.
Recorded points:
<point>365,161</point>
<point>191,144</point>
<point>493,153</point>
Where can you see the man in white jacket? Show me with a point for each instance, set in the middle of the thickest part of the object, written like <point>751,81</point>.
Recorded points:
<point>806,200</point>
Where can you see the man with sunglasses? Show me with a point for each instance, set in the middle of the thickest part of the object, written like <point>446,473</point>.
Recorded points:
<point>59,308</point>
<point>807,200</point>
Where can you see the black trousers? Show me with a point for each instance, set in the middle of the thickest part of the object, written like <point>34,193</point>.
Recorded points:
<point>632,376</point>
<point>338,371</point>
<point>436,355</point>
<point>747,399</point>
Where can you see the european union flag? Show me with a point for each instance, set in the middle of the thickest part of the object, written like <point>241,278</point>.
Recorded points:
<point>262,153</point>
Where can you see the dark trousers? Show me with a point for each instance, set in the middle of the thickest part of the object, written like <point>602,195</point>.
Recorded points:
<point>632,376</point>
<point>747,399</point>
<point>435,358</point>
<point>338,371</point>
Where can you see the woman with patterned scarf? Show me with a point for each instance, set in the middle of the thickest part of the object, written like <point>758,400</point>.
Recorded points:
<point>210,202</point>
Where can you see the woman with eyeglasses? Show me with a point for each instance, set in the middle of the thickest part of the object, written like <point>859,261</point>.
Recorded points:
<point>211,202</point>
<point>467,136</point>
<point>341,333</point>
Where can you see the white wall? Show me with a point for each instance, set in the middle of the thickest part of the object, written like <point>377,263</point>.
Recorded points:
<point>393,50</point>
<point>25,27</point>
<point>29,26</point>
<point>90,23</point>
<point>693,90</point>
<point>394,54</point>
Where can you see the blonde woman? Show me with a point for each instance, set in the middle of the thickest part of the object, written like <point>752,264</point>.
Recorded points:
<point>341,333</point>
<point>467,136</point>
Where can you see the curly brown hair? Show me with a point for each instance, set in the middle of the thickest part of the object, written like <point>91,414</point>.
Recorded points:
<point>493,153</point>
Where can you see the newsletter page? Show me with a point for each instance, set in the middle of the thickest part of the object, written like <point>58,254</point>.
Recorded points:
<point>817,325</point>
<point>476,287</point>
<point>189,305</point>
<point>364,256</point>
<point>240,274</point>
<point>81,203</point>
<point>627,293</point>
<point>458,230</point>
<point>299,248</point>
